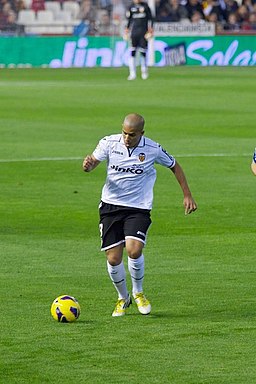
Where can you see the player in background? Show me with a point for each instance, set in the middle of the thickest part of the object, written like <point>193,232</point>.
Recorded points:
<point>140,29</point>
<point>126,202</point>
<point>253,164</point>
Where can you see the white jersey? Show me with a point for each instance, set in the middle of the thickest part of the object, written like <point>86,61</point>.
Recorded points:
<point>131,174</point>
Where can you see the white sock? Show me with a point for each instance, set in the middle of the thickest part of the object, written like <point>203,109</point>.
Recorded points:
<point>118,278</point>
<point>132,66</point>
<point>136,269</point>
<point>144,67</point>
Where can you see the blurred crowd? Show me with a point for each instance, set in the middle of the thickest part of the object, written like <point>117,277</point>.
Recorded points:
<point>105,17</point>
<point>228,15</point>
<point>9,10</point>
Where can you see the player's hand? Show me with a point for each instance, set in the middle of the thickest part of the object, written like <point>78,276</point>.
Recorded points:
<point>189,205</point>
<point>88,163</point>
<point>126,34</point>
<point>149,34</point>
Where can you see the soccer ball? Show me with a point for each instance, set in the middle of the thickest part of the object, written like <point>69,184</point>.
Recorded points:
<point>65,309</point>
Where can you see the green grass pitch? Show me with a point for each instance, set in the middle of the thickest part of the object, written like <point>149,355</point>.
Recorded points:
<point>200,269</point>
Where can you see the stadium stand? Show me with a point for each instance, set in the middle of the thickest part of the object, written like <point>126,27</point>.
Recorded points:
<point>53,6</point>
<point>107,17</point>
<point>26,17</point>
<point>73,7</point>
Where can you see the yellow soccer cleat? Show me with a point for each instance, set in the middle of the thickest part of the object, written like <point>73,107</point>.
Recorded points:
<point>121,306</point>
<point>143,304</point>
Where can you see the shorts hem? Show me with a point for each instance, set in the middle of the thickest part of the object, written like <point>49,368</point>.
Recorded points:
<point>112,245</point>
<point>136,238</point>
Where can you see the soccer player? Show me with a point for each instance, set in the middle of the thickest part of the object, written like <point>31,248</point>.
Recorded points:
<point>140,28</point>
<point>253,164</point>
<point>126,202</point>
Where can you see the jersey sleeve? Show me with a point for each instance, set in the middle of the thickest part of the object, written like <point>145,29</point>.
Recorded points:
<point>128,15</point>
<point>150,18</point>
<point>164,158</point>
<point>101,151</point>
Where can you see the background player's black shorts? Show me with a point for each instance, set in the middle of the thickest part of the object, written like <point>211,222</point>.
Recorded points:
<point>139,41</point>
<point>118,223</point>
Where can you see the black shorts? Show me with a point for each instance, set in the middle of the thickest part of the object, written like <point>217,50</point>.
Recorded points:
<point>139,41</point>
<point>118,223</point>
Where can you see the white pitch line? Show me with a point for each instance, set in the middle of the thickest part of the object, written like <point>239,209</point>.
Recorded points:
<point>214,155</point>
<point>40,159</point>
<point>80,158</point>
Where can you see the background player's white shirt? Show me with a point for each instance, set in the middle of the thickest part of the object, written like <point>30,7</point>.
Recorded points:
<point>131,173</point>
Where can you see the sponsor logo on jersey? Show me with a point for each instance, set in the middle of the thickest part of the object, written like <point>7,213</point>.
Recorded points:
<point>134,171</point>
<point>141,233</point>
<point>139,15</point>
<point>117,152</point>
<point>142,156</point>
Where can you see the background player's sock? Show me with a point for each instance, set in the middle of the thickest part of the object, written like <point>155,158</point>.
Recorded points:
<point>132,67</point>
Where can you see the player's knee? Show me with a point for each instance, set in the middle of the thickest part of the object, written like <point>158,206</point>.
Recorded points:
<point>134,255</point>
<point>134,250</point>
<point>114,256</point>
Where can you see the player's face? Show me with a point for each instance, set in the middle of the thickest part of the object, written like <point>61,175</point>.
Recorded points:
<point>131,136</point>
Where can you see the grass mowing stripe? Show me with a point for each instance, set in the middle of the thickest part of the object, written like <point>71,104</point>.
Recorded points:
<point>80,158</point>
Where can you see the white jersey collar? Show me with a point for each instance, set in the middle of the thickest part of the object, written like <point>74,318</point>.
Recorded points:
<point>141,142</point>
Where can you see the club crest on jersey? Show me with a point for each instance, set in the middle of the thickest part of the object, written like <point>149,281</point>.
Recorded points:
<point>142,156</point>
<point>141,9</point>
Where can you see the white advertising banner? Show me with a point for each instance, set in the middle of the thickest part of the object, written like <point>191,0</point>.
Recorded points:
<point>184,29</point>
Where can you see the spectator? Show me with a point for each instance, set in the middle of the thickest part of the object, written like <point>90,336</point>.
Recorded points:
<point>118,12</point>
<point>243,14</point>
<point>232,23</point>
<point>105,26</point>
<point>8,17</point>
<point>158,6</point>
<point>87,15</point>
<point>172,10</point>
<point>197,17</point>
<point>11,25</point>
<point>229,6</point>
<point>250,25</point>
<point>193,6</point>
<point>213,18</point>
<point>212,6</point>
<point>19,5</point>
<point>87,11</point>
<point>249,4</point>
<point>106,5</point>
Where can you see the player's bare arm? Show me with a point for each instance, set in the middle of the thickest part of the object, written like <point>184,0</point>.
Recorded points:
<point>253,164</point>
<point>89,163</point>
<point>188,201</point>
